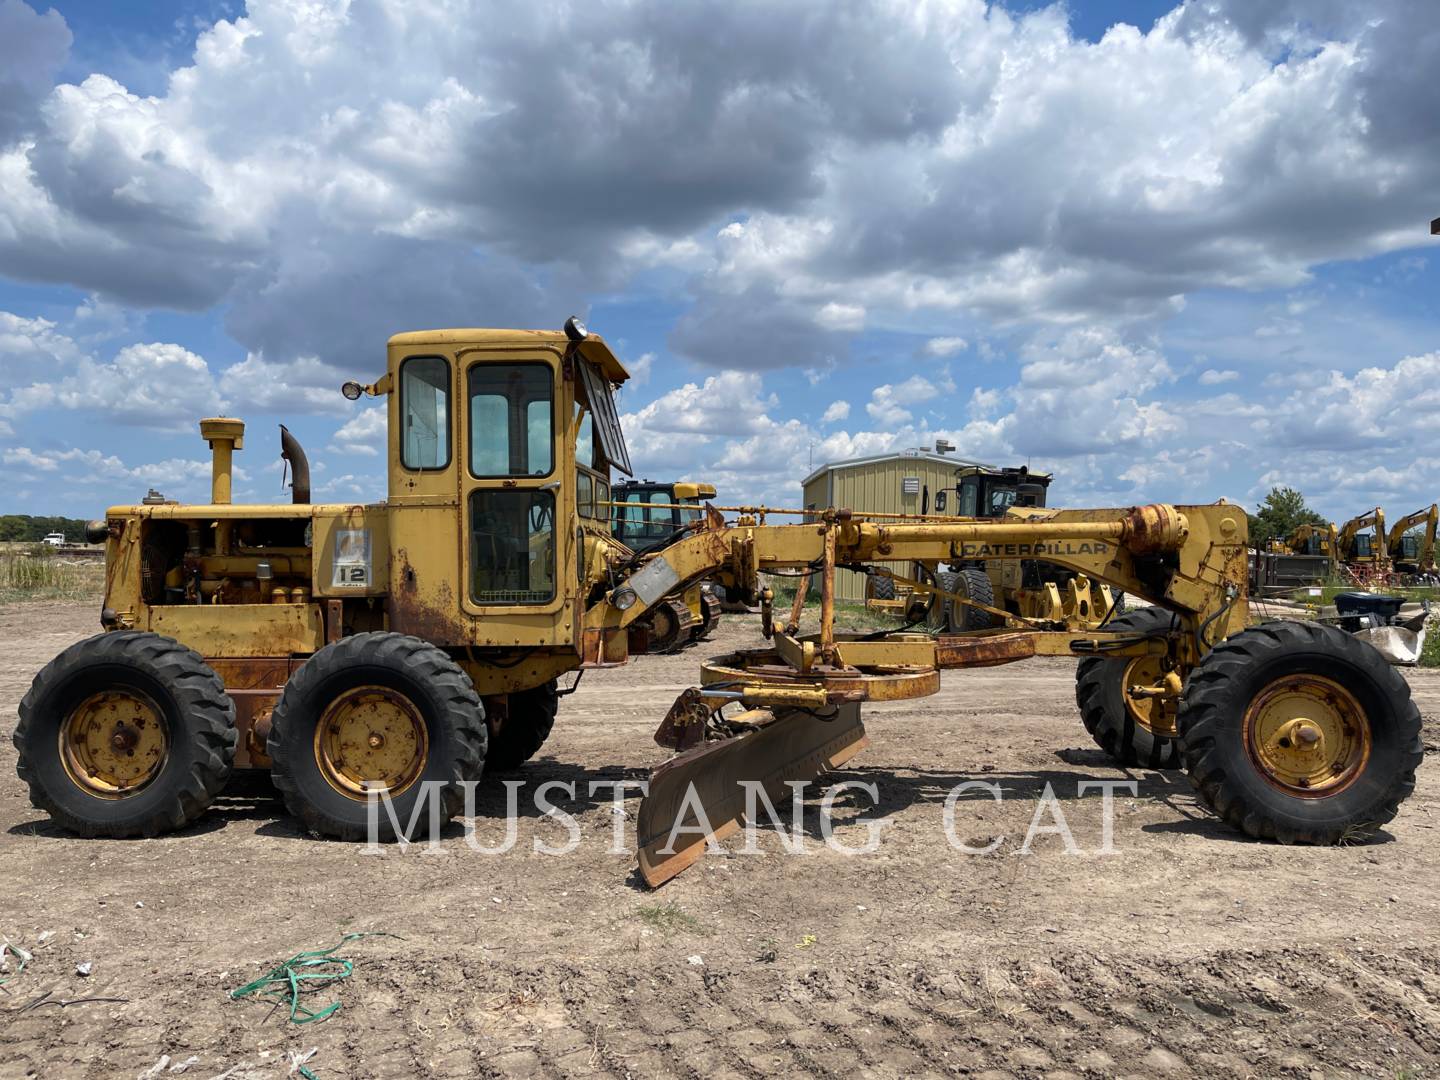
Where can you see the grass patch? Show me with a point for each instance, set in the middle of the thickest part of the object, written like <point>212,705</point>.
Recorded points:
<point>1329,592</point>
<point>1430,652</point>
<point>670,918</point>
<point>848,614</point>
<point>42,576</point>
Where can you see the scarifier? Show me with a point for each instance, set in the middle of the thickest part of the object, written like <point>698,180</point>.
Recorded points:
<point>353,649</point>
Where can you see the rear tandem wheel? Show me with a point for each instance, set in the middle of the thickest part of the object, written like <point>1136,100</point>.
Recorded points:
<point>125,734</point>
<point>370,712</point>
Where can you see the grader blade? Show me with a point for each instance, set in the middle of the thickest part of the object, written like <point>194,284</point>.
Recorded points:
<point>701,794</point>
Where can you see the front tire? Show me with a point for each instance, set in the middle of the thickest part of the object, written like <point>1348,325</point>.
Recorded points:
<point>1122,726</point>
<point>956,618</point>
<point>370,712</point>
<point>125,734</point>
<point>1300,733</point>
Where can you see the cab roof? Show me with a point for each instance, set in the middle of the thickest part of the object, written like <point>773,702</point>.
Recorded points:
<point>593,348</point>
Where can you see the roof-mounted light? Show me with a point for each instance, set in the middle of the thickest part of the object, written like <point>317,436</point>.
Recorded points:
<point>575,329</point>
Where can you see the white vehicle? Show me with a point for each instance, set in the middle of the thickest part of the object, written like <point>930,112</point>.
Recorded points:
<point>54,539</point>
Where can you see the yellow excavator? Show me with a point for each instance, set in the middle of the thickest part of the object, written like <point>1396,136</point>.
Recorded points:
<point>1308,539</point>
<point>1412,549</point>
<point>1361,552</point>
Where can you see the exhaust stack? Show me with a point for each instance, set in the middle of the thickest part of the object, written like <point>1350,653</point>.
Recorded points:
<point>294,453</point>
<point>225,436</point>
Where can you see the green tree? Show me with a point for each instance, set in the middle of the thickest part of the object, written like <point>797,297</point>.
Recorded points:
<point>1280,514</point>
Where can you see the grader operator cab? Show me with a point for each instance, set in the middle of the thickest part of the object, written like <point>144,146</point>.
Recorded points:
<point>1030,587</point>
<point>404,647</point>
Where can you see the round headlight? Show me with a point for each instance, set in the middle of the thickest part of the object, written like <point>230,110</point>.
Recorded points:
<point>575,329</point>
<point>352,390</point>
<point>623,598</point>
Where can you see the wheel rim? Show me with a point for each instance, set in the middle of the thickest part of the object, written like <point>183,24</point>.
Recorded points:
<point>1148,712</point>
<point>114,743</point>
<point>371,739</point>
<point>1308,736</point>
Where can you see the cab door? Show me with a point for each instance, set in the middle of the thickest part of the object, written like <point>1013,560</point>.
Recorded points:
<point>518,511</point>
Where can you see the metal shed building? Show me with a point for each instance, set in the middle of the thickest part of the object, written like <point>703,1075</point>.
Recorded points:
<point>899,483</point>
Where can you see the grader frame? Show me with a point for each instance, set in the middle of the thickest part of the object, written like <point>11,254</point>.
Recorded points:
<point>361,649</point>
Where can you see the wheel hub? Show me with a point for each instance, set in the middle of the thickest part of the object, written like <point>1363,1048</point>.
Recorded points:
<point>371,738</point>
<point>1155,714</point>
<point>114,743</point>
<point>1308,735</point>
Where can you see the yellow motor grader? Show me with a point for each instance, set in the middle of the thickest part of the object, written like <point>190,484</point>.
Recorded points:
<point>1033,588</point>
<point>648,516</point>
<point>404,647</point>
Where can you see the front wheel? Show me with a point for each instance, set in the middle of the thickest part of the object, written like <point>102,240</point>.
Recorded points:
<point>1131,730</point>
<point>1300,733</point>
<point>373,713</point>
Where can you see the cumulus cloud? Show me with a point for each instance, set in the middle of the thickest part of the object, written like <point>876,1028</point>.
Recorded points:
<point>989,173</point>
<point>305,384</point>
<point>887,405</point>
<point>362,434</point>
<point>835,411</point>
<point>385,194</point>
<point>32,49</point>
<point>944,346</point>
<point>158,385</point>
<point>97,468</point>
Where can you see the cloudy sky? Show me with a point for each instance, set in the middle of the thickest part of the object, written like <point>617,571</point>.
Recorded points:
<point>1170,252</point>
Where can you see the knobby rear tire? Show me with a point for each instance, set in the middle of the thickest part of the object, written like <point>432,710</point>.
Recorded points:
<point>199,716</point>
<point>433,683</point>
<point>529,719</point>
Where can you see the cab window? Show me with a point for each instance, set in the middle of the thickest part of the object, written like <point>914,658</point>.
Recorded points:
<point>969,497</point>
<point>585,442</point>
<point>425,412</point>
<point>1001,499</point>
<point>511,420</point>
<point>512,547</point>
<point>659,518</point>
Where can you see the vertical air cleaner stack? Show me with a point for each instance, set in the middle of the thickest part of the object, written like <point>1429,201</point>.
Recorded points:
<point>225,436</point>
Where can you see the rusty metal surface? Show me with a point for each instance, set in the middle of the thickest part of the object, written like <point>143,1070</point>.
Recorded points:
<point>254,684</point>
<point>684,724</point>
<point>990,650</point>
<point>797,746</point>
<point>1155,528</point>
<point>766,666</point>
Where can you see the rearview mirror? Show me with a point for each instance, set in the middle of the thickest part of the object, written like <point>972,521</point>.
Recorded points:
<point>939,501</point>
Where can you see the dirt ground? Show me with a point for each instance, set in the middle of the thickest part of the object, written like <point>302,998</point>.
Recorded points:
<point>1191,951</point>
